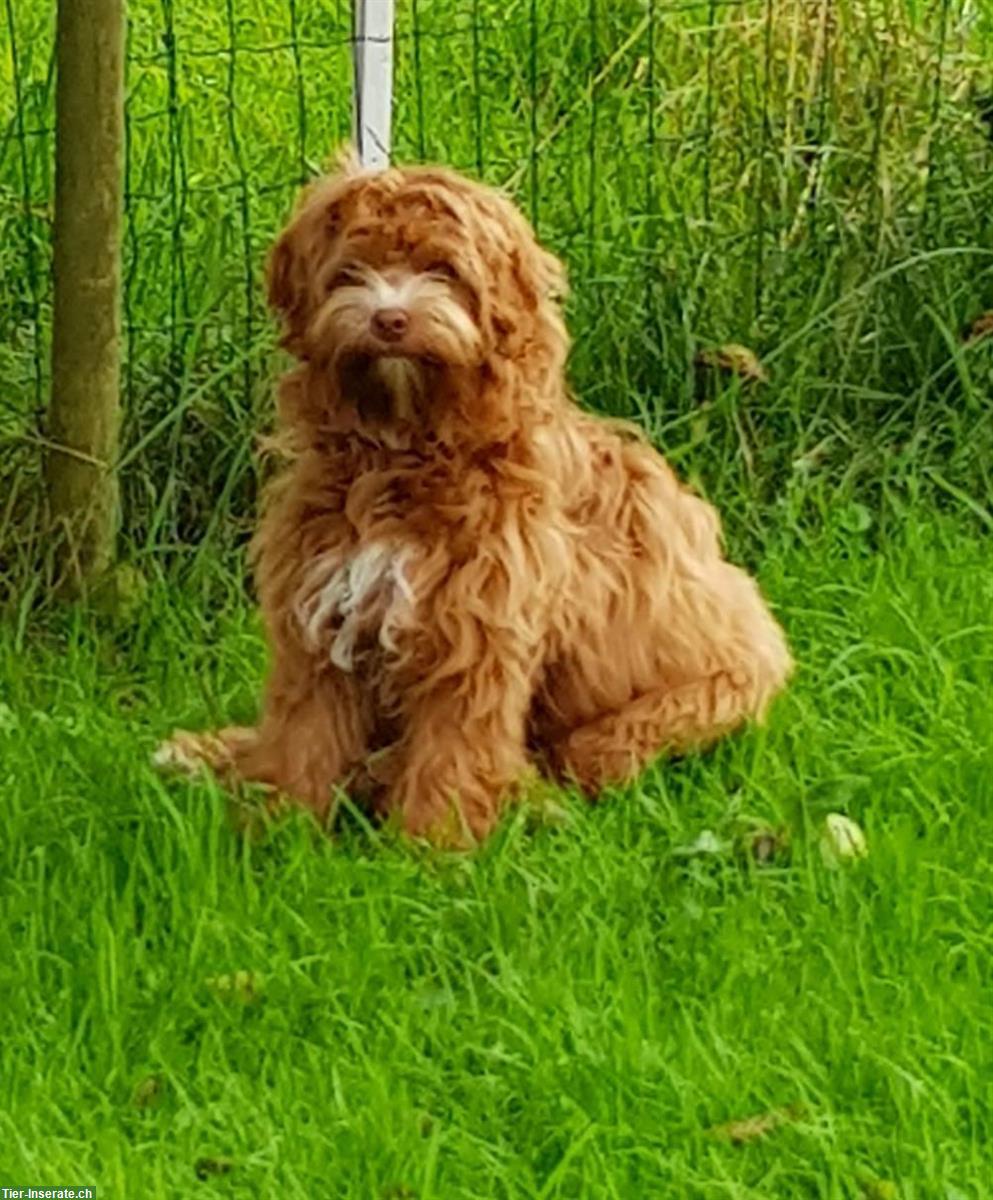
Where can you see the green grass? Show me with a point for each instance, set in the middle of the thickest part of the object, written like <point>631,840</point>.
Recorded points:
<point>565,1013</point>
<point>568,1012</point>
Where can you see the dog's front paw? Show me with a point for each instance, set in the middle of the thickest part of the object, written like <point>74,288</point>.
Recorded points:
<point>183,754</point>
<point>192,753</point>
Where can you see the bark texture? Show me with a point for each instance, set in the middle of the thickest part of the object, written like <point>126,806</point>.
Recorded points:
<point>84,408</point>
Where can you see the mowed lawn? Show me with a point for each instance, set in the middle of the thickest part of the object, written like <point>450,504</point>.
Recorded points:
<point>576,1010</point>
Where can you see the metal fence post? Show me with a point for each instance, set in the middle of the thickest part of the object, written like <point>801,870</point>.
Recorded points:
<point>84,407</point>
<point>373,94</point>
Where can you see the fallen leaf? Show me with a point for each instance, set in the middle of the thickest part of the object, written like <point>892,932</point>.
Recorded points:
<point>147,1092</point>
<point>981,327</point>
<point>734,359</point>
<point>706,843</point>
<point>767,845</point>
<point>207,1166</point>
<point>751,1128</point>
<point>842,840</point>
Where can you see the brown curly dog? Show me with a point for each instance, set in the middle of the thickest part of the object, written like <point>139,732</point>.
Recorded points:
<point>463,574</point>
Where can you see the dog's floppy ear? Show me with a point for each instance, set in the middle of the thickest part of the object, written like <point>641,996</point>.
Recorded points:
<point>280,272</point>
<point>539,276</point>
<point>319,214</point>
<point>286,286</point>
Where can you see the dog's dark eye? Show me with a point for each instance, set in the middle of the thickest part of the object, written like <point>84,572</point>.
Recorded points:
<point>343,277</point>
<point>443,270</point>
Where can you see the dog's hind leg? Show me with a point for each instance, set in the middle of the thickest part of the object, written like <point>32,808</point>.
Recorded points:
<point>614,747</point>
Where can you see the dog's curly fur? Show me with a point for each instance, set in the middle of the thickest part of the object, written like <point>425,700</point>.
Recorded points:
<point>461,572</point>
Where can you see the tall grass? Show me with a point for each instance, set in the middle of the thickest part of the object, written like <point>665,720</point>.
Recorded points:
<point>810,178</point>
<point>567,1014</point>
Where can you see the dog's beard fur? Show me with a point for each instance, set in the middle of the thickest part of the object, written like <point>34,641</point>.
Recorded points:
<point>385,390</point>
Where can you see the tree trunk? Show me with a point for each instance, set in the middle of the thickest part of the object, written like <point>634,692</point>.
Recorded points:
<point>86,342</point>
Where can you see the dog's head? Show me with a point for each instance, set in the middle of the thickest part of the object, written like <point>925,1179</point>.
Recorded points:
<point>389,281</point>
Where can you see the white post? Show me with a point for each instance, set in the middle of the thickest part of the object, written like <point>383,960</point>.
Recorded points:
<point>373,95</point>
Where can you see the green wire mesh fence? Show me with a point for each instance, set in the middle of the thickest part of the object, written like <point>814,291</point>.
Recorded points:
<point>811,178</point>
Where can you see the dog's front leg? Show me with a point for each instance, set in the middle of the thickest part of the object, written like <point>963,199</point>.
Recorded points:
<point>462,752</point>
<point>313,730</point>
<point>465,705</point>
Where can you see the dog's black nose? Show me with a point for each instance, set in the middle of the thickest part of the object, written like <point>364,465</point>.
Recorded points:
<point>390,324</point>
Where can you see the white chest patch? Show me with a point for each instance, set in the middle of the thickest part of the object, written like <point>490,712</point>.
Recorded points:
<point>359,599</point>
